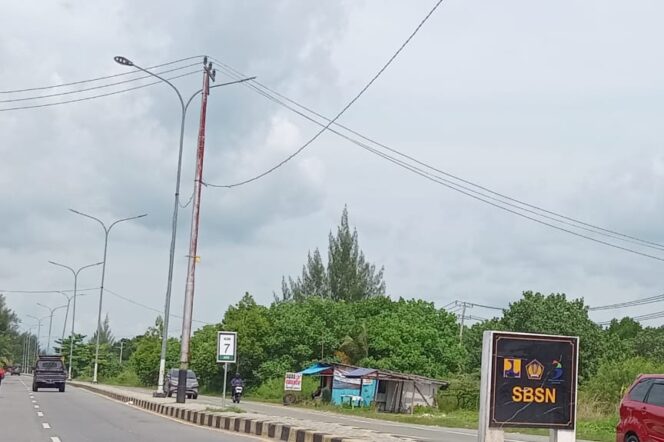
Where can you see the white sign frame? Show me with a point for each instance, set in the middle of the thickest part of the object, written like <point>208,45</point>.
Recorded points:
<point>225,357</point>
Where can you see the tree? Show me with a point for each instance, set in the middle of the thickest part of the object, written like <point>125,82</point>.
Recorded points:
<point>348,276</point>
<point>146,356</point>
<point>106,336</point>
<point>9,337</point>
<point>554,314</point>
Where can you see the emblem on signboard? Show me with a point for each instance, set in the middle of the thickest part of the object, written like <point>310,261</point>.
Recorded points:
<point>534,370</point>
<point>557,372</point>
<point>512,368</point>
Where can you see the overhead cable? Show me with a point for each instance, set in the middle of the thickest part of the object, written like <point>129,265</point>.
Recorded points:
<point>475,194</point>
<point>35,106</point>
<point>93,88</point>
<point>563,218</point>
<point>106,77</point>
<point>345,108</point>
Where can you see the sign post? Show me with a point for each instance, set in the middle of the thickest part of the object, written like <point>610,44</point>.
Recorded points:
<point>528,381</point>
<point>226,353</point>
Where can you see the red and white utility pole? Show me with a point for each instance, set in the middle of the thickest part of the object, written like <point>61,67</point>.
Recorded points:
<point>193,241</point>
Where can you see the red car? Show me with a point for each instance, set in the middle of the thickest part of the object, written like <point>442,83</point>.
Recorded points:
<point>642,411</point>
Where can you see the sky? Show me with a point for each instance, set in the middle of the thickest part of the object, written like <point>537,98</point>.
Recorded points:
<point>556,104</point>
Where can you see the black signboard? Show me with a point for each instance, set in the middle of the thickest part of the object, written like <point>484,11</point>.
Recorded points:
<point>533,381</point>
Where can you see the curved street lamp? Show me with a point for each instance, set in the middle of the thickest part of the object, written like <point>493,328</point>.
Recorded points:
<point>107,231</point>
<point>50,322</point>
<point>167,304</point>
<point>73,315</point>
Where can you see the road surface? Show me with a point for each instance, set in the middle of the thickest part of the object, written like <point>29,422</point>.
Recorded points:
<point>78,415</point>
<point>423,433</point>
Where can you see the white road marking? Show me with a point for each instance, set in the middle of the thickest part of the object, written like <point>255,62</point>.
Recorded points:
<point>40,414</point>
<point>34,401</point>
<point>55,439</point>
<point>46,426</point>
<point>36,406</point>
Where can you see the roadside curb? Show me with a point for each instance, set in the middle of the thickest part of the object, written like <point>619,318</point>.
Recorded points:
<point>265,428</point>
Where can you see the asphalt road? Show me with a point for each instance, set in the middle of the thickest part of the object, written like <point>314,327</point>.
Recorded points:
<point>78,415</point>
<point>424,433</point>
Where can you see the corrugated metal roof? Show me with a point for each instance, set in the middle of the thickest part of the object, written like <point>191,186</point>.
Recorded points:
<point>361,372</point>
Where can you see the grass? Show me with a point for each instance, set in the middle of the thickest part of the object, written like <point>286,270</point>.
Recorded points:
<point>601,429</point>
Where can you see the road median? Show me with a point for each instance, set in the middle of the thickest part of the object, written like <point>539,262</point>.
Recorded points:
<point>264,426</point>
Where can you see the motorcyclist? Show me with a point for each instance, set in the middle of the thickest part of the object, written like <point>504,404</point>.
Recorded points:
<point>237,381</point>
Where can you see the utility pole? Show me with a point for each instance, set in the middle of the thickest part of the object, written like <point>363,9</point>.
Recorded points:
<point>121,346</point>
<point>193,241</point>
<point>463,320</point>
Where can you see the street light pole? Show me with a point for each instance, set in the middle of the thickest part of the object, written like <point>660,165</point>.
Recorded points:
<point>174,223</point>
<point>73,315</point>
<point>39,321</point>
<point>107,231</point>
<point>50,322</point>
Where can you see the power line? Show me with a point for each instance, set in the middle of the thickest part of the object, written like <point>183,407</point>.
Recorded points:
<point>188,202</point>
<point>35,106</point>
<point>45,291</point>
<point>575,223</point>
<point>98,78</point>
<point>632,303</point>
<point>478,195</point>
<point>147,307</point>
<point>103,86</point>
<point>350,103</point>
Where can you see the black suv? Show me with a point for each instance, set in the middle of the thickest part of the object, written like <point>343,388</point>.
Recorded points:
<point>49,373</point>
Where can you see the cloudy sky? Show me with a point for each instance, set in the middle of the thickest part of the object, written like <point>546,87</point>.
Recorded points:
<point>557,104</point>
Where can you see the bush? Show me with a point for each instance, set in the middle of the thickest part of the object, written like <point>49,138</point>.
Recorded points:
<point>273,389</point>
<point>462,394</point>
<point>127,377</point>
<point>608,385</point>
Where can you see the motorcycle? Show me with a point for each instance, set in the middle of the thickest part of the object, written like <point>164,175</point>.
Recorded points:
<point>237,394</point>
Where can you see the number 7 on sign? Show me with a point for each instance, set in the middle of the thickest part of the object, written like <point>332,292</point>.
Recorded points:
<point>227,347</point>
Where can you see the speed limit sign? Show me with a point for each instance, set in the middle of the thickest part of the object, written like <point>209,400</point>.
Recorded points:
<point>226,347</point>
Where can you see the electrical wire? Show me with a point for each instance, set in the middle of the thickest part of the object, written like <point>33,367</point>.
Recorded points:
<point>99,78</point>
<point>480,196</point>
<point>575,223</point>
<point>191,198</point>
<point>98,96</point>
<point>45,291</point>
<point>345,108</point>
<point>147,307</point>
<point>636,302</point>
<point>103,86</point>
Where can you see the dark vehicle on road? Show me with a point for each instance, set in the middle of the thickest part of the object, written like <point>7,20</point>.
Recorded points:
<point>15,371</point>
<point>642,411</point>
<point>49,373</point>
<point>171,384</point>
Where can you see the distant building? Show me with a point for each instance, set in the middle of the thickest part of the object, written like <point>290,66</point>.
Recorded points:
<point>389,391</point>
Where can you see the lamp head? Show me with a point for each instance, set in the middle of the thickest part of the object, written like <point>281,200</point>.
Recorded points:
<point>123,61</point>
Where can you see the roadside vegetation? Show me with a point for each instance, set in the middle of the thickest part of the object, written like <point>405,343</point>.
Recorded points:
<point>337,310</point>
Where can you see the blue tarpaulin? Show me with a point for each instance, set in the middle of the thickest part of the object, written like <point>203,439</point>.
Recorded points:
<point>315,369</point>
